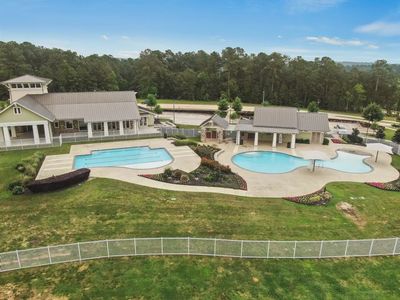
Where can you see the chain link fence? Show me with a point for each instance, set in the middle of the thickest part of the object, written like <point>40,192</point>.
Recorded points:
<point>49,255</point>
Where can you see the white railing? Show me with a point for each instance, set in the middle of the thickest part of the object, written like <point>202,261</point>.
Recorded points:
<point>49,255</point>
<point>190,132</point>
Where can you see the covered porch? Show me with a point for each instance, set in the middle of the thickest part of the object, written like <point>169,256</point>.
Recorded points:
<point>25,133</point>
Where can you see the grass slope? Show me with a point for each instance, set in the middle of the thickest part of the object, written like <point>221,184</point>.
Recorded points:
<point>103,208</point>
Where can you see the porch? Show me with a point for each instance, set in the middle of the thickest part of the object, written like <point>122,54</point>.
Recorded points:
<point>25,133</point>
<point>274,138</point>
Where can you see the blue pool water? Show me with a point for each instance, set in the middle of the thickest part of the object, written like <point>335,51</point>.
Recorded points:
<point>276,162</point>
<point>133,157</point>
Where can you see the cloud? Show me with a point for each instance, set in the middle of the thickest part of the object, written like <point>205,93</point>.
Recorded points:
<point>128,54</point>
<point>105,37</point>
<point>125,37</point>
<point>340,42</point>
<point>311,5</point>
<point>380,28</point>
<point>279,36</point>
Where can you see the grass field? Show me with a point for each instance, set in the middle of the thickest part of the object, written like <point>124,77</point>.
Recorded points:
<point>101,209</point>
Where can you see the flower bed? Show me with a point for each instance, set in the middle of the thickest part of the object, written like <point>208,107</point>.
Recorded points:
<point>320,197</point>
<point>338,141</point>
<point>209,173</point>
<point>387,186</point>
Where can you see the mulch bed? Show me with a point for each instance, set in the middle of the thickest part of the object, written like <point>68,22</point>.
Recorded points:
<point>320,197</point>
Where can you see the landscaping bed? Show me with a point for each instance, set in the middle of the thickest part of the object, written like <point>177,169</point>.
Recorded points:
<point>387,186</point>
<point>320,197</point>
<point>209,173</point>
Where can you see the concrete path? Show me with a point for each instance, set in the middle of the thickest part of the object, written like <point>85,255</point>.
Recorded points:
<point>298,182</point>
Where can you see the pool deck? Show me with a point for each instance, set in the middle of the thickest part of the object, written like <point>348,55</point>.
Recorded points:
<point>297,182</point>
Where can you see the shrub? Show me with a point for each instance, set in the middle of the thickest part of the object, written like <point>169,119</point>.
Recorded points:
<point>14,184</point>
<point>18,190</point>
<point>205,151</point>
<point>234,115</point>
<point>165,135</point>
<point>177,174</point>
<point>380,133</point>
<point>184,178</point>
<point>168,172</point>
<point>20,168</point>
<point>214,165</point>
<point>303,141</point>
<point>354,138</point>
<point>180,136</point>
<point>58,182</point>
<point>213,176</point>
<point>325,142</point>
<point>185,143</point>
<point>396,137</point>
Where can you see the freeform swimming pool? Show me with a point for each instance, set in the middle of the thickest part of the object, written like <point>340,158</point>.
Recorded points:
<point>277,162</point>
<point>133,157</point>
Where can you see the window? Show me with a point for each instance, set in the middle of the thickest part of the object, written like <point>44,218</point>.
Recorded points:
<point>143,121</point>
<point>19,86</point>
<point>38,85</point>
<point>17,110</point>
<point>14,86</point>
<point>56,124</point>
<point>69,125</point>
<point>32,85</point>
<point>26,85</point>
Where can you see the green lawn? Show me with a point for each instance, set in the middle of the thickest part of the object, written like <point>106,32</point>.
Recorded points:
<point>102,208</point>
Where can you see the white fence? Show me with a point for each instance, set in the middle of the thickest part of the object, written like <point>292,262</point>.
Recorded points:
<point>183,131</point>
<point>75,138</point>
<point>49,255</point>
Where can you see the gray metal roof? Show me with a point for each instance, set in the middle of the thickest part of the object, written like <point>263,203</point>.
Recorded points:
<point>89,106</point>
<point>217,120</point>
<point>247,125</point>
<point>277,117</point>
<point>31,104</point>
<point>27,79</point>
<point>313,121</point>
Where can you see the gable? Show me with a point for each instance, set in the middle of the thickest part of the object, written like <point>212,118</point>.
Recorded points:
<point>8,115</point>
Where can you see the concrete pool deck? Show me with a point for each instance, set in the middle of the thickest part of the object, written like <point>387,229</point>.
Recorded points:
<point>297,182</point>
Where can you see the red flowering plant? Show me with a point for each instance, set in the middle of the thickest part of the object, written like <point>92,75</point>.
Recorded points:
<point>338,141</point>
<point>320,197</point>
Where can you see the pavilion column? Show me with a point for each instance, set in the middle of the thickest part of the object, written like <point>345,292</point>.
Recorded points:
<point>121,127</point>
<point>13,132</point>
<point>36,138</point>
<point>274,140</point>
<point>7,139</point>
<point>135,127</point>
<point>256,139</point>
<point>238,137</point>
<point>105,126</point>
<point>47,133</point>
<point>293,141</point>
<point>89,130</point>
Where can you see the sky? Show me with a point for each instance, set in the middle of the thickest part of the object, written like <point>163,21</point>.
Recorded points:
<point>345,30</point>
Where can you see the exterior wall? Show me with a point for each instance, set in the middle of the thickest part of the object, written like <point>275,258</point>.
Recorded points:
<point>17,93</point>
<point>150,120</point>
<point>219,130</point>
<point>62,127</point>
<point>26,116</point>
<point>304,135</point>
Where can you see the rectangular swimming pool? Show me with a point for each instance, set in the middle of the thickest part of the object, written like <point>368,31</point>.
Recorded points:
<point>132,157</point>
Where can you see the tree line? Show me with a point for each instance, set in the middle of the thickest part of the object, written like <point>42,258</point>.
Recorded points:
<point>273,78</point>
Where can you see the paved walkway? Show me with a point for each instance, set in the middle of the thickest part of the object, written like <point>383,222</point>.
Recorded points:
<point>298,182</point>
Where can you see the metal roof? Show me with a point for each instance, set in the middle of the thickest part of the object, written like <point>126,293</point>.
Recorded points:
<point>31,104</point>
<point>27,79</point>
<point>308,121</point>
<point>277,117</point>
<point>247,125</point>
<point>89,106</point>
<point>217,120</point>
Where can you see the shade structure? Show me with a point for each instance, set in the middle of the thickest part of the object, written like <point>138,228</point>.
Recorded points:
<point>379,147</point>
<point>314,156</point>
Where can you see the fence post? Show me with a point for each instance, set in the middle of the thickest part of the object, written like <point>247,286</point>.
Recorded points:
<point>108,249</point>
<point>215,246</point>
<point>162,246</point>
<point>188,245</point>
<point>370,248</point>
<point>320,249</point>
<point>395,246</point>
<point>48,252</point>
<point>268,249</point>
<point>19,261</point>
<point>241,249</point>
<point>347,246</point>
<point>294,250</point>
<point>79,251</point>
<point>134,244</point>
